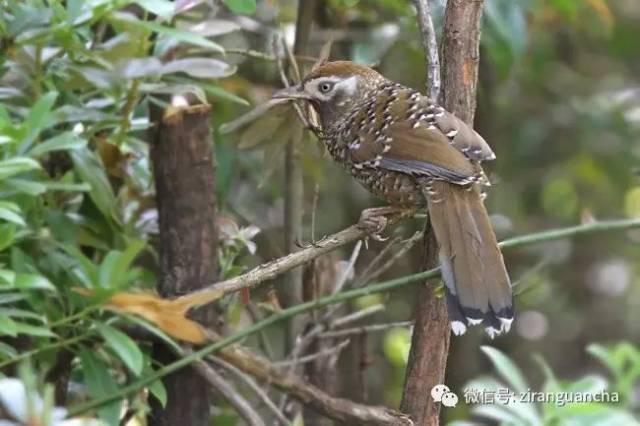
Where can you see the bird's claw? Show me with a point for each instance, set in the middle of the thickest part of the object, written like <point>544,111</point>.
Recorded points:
<point>372,221</point>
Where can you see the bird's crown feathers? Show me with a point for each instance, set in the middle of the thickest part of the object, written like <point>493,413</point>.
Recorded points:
<point>341,69</point>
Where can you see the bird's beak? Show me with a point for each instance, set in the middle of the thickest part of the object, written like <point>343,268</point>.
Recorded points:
<point>293,92</point>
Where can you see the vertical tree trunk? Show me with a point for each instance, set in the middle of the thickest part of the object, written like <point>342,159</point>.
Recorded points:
<point>294,188</point>
<point>430,344</point>
<point>183,163</point>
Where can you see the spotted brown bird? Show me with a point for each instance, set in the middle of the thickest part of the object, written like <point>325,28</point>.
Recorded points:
<point>409,151</point>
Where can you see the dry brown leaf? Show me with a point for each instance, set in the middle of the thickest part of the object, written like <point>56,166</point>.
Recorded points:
<point>170,315</point>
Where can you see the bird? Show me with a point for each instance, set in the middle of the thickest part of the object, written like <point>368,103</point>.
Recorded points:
<point>409,151</point>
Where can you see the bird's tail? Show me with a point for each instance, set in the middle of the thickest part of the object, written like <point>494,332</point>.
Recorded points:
<point>476,281</point>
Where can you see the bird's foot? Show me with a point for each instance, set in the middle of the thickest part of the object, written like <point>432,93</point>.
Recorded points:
<point>374,220</point>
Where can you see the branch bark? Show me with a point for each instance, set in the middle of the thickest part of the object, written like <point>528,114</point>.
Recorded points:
<point>183,165</point>
<point>270,270</point>
<point>430,45</point>
<point>431,336</point>
<point>294,186</point>
<point>339,409</point>
<point>181,363</point>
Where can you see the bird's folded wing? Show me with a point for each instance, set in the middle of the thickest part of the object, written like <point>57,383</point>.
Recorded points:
<point>407,133</point>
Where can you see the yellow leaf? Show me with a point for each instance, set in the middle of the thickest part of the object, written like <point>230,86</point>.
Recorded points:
<point>601,8</point>
<point>167,314</point>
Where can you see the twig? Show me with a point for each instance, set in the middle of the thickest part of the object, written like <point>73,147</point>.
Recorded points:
<point>335,350</point>
<point>265,56</point>
<point>430,45</point>
<point>558,234</point>
<point>356,316</point>
<point>342,279</point>
<point>364,275</point>
<point>299,108</point>
<point>252,115</point>
<point>363,330</point>
<point>314,211</point>
<point>329,300</point>
<point>228,392</point>
<point>431,334</point>
<point>408,245</point>
<point>257,389</point>
<point>276,267</point>
<point>342,410</point>
<point>326,323</point>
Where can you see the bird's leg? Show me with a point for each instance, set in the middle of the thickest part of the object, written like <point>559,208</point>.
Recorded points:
<point>375,220</point>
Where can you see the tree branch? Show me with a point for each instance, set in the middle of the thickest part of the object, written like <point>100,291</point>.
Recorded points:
<point>339,409</point>
<point>604,226</point>
<point>430,45</point>
<point>255,387</point>
<point>276,267</point>
<point>228,392</point>
<point>430,338</point>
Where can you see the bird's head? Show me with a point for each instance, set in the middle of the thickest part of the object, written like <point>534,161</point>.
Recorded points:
<point>334,88</point>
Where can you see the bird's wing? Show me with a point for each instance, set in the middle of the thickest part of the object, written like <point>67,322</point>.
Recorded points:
<point>404,131</point>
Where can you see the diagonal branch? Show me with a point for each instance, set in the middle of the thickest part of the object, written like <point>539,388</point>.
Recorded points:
<point>604,226</point>
<point>342,410</point>
<point>228,392</point>
<point>276,267</point>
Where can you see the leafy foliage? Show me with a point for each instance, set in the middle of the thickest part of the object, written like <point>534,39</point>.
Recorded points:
<point>565,402</point>
<point>76,211</point>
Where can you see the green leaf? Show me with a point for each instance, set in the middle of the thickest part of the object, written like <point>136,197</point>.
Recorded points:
<point>100,383</point>
<point>116,264</point>
<point>213,27</point>
<point>7,235</point>
<point>158,390</point>
<point>24,281</point>
<point>67,187</point>
<point>7,326</point>
<point>199,67</point>
<point>162,8</point>
<point>154,330</point>
<point>500,414</point>
<point>125,260</point>
<point>8,298</point>
<point>11,213</point>
<point>241,6</point>
<point>21,313</point>
<point>140,67</point>
<point>588,384</point>
<point>33,330</point>
<point>16,165</point>
<point>7,351</point>
<point>86,271</point>
<point>39,117</point>
<point>25,186</point>
<point>506,368</point>
<point>221,93</point>
<point>61,142</point>
<point>173,33</point>
<point>124,347</point>
<point>91,171</point>
<point>33,281</point>
<point>106,270</point>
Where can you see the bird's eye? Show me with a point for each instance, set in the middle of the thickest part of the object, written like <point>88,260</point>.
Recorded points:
<point>325,87</point>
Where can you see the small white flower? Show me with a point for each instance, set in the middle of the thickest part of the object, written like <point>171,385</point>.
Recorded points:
<point>26,409</point>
